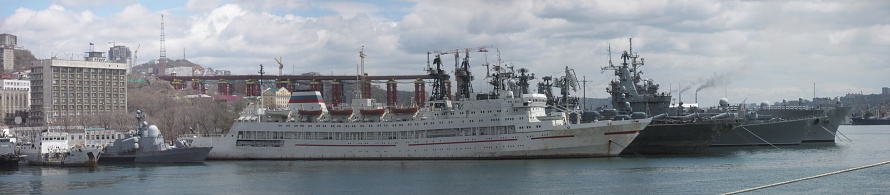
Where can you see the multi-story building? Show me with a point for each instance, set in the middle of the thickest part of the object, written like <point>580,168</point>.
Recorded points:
<point>8,40</point>
<point>14,96</point>
<point>276,98</point>
<point>7,51</point>
<point>7,58</point>
<point>120,54</point>
<point>179,71</point>
<point>65,89</point>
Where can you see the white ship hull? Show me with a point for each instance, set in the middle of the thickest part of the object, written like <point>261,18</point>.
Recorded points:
<point>603,138</point>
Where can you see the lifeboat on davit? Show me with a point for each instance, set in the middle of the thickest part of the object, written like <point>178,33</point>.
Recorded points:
<point>340,112</point>
<point>309,112</point>
<point>403,110</point>
<point>372,111</point>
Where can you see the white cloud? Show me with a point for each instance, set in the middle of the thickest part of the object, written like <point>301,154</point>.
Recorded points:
<point>774,50</point>
<point>349,9</point>
<point>93,3</point>
<point>202,5</point>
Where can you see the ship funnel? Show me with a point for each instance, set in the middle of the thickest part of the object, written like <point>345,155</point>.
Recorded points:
<point>306,100</point>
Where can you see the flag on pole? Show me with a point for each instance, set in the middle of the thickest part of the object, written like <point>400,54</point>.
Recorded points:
<point>91,43</point>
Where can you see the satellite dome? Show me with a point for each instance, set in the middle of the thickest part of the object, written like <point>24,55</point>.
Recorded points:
<point>153,131</point>
<point>764,103</point>
<point>724,102</point>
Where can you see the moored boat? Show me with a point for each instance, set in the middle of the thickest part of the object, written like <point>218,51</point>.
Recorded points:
<point>499,125</point>
<point>52,149</point>
<point>147,146</point>
<point>672,131</point>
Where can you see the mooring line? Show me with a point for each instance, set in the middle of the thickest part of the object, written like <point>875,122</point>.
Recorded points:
<point>832,133</point>
<point>801,179</point>
<point>748,140</point>
<point>841,133</point>
<point>758,137</point>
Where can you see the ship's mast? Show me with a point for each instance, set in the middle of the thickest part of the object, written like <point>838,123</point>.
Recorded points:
<point>365,92</point>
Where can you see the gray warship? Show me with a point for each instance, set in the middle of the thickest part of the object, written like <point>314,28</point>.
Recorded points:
<point>761,131</point>
<point>672,131</point>
<point>829,118</point>
<point>147,146</point>
<point>8,155</point>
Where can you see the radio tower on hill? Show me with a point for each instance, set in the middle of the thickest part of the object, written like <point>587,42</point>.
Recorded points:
<point>163,60</point>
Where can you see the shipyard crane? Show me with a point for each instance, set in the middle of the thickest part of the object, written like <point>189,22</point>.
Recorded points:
<point>280,65</point>
<point>462,69</point>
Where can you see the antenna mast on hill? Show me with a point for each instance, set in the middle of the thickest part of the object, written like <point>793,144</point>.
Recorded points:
<point>163,50</point>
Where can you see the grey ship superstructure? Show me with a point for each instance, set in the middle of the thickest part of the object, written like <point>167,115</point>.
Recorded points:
<point>670,132</point>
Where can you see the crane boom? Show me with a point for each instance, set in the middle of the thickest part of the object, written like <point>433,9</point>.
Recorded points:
<point>280,65</point>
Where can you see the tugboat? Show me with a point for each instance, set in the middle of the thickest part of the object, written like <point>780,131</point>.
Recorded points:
<point>147,146</point>
<point>52,149</point>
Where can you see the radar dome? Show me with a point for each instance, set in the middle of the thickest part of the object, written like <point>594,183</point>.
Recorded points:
<point>764,104</point>
<point>724,102</point>
<point>153,131</point>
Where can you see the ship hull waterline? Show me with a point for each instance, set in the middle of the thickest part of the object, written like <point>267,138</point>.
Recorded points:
<point>574,141</point>
<point>789,132</point>
<point>180,155</point>
<point>688,138</point>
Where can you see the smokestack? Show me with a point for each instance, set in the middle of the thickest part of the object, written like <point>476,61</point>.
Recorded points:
<point>696,97</point>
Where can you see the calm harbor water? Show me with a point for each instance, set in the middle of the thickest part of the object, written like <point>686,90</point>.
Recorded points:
<point>718,170</point>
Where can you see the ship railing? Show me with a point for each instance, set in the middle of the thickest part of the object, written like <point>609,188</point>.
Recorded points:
<point>202,135</point>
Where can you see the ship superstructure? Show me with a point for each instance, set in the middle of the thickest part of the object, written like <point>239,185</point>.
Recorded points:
<point>52,149</point>
<point>825,125</point>
<point>671,131</point>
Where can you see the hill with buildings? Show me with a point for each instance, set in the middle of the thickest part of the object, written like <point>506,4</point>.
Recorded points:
<point>22,60</point>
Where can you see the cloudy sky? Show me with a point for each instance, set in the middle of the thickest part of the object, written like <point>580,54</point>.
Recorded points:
<point>758,50</point>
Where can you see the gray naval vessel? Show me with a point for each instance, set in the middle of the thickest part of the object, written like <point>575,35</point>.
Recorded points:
<point>147,146</point>
<point>759,130</point>
<point>672,131</point>
<point>825,126</point>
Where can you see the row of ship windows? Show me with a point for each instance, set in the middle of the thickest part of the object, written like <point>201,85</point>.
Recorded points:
<point>484,111</point>
<point>396,125</point>
<point>380,135</point>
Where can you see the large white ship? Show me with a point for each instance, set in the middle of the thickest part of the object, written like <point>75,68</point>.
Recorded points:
<point>494,125</point>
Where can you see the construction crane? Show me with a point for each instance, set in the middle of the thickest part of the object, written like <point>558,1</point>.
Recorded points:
<point>280,65</point>
<point>135,58</point>
<point>462,69</point>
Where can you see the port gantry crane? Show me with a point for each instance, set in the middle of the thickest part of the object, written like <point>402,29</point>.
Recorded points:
<point>461,73</point>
